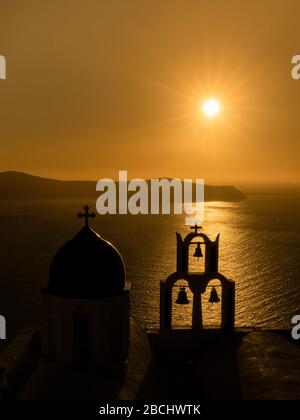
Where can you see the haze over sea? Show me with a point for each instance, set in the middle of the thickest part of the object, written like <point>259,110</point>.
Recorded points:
<point>259,249</point>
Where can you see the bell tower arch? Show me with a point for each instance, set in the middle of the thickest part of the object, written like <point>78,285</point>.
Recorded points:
<point>198,282</point>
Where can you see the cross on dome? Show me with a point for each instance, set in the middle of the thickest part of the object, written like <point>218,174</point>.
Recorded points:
<point>86,215</point>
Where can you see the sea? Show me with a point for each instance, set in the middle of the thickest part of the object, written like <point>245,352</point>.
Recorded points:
<point>259,250</point>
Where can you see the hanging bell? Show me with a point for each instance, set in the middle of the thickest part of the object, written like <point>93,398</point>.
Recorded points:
<point>182,297</point>
<point>214,298</point>
<point>198,252</point>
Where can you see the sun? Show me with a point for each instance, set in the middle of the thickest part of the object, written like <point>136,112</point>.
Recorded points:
<point>211,107</point>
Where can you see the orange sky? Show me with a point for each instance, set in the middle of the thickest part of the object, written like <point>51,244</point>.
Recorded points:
<point>94,87</point>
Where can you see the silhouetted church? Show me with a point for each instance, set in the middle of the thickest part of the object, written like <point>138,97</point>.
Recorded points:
<point>86,304</point>
<point>87,333</point>
<point>89,347</point>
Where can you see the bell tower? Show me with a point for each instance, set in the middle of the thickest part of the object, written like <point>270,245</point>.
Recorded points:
<point>198,282</point>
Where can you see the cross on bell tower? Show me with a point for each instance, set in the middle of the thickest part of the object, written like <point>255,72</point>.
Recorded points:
<point>196,227</point>
<point>86,215</point>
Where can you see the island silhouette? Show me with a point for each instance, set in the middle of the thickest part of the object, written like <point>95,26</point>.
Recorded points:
<point>19,185</point>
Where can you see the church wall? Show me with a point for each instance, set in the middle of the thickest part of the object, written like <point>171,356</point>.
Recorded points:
<point>108,328</point>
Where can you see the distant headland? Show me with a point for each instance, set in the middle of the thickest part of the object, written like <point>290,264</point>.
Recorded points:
<point>19,185</point>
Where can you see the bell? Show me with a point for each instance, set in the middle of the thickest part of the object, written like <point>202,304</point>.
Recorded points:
<point>214,298</point>
<point>198,252</point>
<point>182,297</point>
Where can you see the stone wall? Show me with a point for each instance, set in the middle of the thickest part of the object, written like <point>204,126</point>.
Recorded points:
<point>18,361</point>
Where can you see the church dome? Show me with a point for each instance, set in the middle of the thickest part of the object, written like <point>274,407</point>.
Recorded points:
<point>87,267</point>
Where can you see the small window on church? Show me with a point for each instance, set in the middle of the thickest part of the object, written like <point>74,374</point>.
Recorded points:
<point>81,339</point>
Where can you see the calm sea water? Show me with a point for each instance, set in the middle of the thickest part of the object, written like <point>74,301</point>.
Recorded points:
<point>259,249</point>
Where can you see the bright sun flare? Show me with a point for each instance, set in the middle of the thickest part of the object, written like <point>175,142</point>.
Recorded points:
<point>211,107</point>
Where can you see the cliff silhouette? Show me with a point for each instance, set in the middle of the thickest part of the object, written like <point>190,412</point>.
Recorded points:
<point>19,185</point>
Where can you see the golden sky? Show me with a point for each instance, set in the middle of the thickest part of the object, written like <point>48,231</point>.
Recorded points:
<point>98,86</point>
